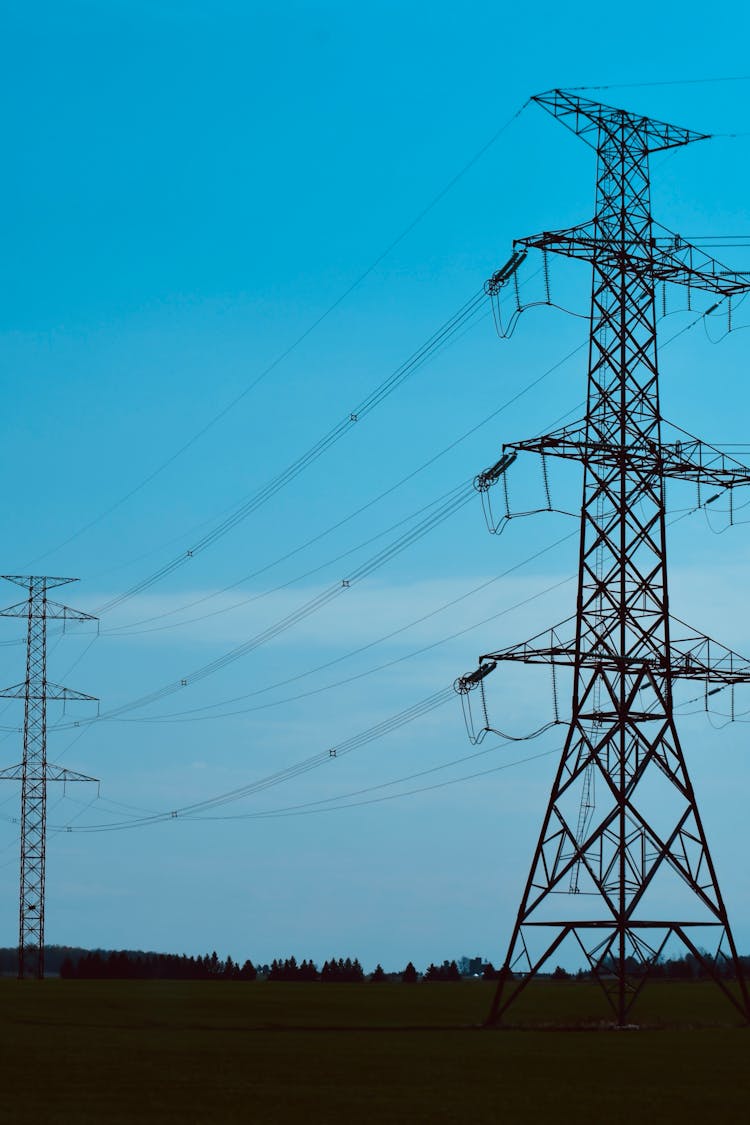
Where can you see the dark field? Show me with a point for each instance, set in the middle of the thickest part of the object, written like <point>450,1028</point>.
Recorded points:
<point>94,1052</point>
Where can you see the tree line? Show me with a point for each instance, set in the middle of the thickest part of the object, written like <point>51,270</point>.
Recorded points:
<point>125,965</point>
<point>80,964</point>
<point>688,967</point>
<point>74,963</point>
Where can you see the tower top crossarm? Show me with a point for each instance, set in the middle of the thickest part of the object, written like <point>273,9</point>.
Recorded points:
<point>26,580</point>
<point>591,120</point>
<point>38,587</point>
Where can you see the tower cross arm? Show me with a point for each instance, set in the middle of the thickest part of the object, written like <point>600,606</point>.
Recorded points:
<point>667,258</point>
<point>57,691</point>
<point>686,457</point>
<point>52,610</point>
<point>589,120</point>
<point>691,655</point>
<point>53,773</point>
<point>553,646</point>
<point>66,613</point>
<point>696,656</point>
<point>46,691</point>
<point>19,609</point>
<point>61,773</point>
<point>16,691</point>
<point>681,262</point>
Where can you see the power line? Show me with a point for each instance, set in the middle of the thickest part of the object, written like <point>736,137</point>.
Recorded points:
<point>225,410</point>
<point>664,82</point>
<point>685,329</point>
<point>326,803</point>
<point>514,398</point>
<point>358,511</point>
<point>198,713</point>
<point>347,746</point>
<point>356,741</point>
<point>262,495</point>
<point>463,495</point>
<point>456,500</point>
<point>324,597</point>
<point>195,713</point>
<point>131,630</point>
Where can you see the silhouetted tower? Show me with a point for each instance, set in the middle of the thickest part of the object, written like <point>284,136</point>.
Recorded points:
<point>34,771</point>
<point>622,819</point>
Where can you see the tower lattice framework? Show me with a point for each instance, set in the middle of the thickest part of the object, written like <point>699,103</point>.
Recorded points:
<point>600,870</point>
<point>34,772</point>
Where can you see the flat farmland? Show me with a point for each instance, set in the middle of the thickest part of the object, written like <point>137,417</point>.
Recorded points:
<point>117,1051</point>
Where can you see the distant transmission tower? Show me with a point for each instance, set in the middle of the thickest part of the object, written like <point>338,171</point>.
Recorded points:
<point>622,866</point>
<point>34,772</point>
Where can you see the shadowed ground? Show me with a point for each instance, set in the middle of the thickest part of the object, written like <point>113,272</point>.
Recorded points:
<point>93,1051</point>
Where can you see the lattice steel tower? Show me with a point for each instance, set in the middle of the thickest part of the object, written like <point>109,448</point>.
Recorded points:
<point>603,871</point>
<point>34,771</point>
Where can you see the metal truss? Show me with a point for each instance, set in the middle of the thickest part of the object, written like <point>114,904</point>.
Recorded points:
<point>622,816</point>
<point>34,771</point>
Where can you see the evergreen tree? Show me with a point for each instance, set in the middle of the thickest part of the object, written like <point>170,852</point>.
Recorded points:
<point>409,975</point>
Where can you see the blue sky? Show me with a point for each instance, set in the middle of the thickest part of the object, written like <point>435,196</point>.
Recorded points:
<point>187,189</point>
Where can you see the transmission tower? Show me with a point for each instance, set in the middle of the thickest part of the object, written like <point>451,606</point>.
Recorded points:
<point>622,839</point>
<point>34,771</point>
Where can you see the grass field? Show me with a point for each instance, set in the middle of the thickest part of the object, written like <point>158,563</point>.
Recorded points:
<point>95,1052</point>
